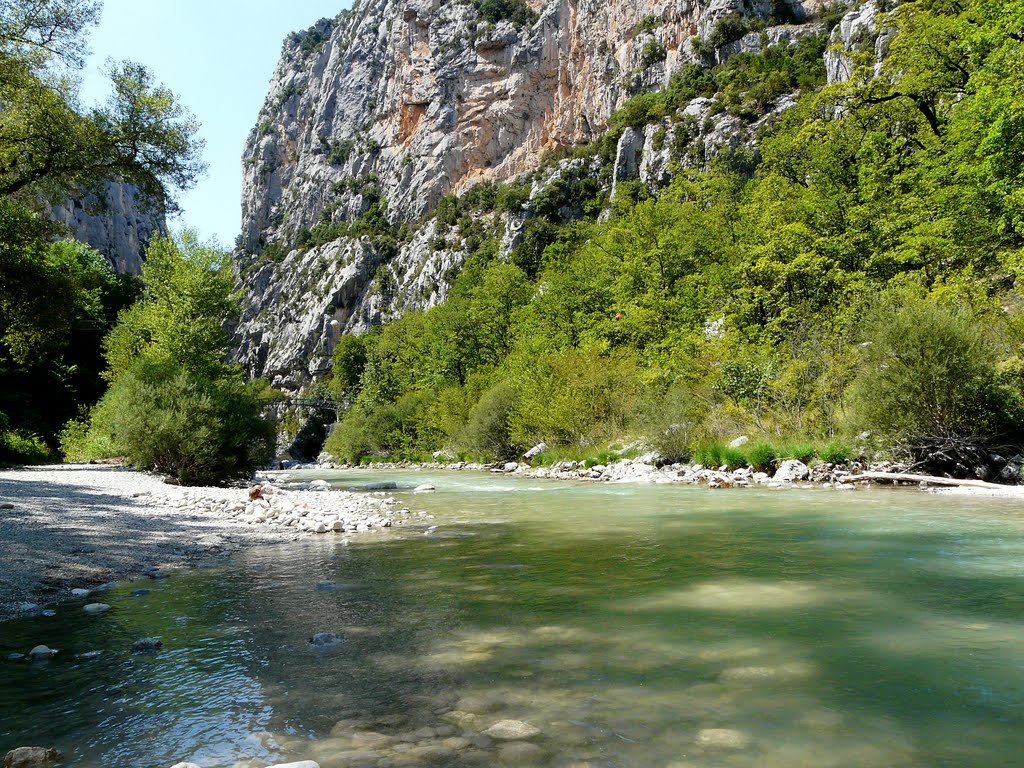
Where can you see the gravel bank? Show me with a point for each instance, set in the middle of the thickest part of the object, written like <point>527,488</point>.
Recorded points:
<point>78,526</point>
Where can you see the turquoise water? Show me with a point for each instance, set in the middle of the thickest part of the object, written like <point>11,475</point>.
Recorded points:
<point>633,626</point>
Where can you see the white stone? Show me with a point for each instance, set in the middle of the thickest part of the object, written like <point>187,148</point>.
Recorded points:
<point>512,730</point>
<point>792,470</point>
<point>94,609</point>
<point>722,738</point>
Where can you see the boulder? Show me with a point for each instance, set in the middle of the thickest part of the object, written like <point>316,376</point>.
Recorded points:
<point>42,652</point>
<point>147,645</point>
<point>739,442</point>
<point>538,449</point>
<point>792,470</point>
<point>722,738</point>
<point>512,730</point>
<point>31,757</point>
<point>325,640</point>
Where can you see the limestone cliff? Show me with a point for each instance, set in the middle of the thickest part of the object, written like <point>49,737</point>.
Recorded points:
<point>115,221</point>
<point>396,103</point>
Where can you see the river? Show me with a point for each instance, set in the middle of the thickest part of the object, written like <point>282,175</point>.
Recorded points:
<point>647,627</point>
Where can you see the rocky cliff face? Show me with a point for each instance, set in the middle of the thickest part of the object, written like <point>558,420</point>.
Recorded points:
<point>415,99</point>
<point>114,221</point>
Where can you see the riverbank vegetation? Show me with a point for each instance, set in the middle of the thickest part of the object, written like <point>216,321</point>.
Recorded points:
<point>59,298</point>
<point>858,275</point>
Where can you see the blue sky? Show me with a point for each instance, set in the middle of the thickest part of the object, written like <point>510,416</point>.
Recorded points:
<point>217,56</point>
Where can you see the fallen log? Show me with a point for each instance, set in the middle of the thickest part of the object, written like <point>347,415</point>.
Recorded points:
<point>906,477</point>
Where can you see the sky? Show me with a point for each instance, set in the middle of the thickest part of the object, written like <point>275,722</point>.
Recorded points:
<point>217,56</point>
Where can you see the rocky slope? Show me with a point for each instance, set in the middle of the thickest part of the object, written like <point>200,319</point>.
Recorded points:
<point>115,221</point>
<point>396,103</point>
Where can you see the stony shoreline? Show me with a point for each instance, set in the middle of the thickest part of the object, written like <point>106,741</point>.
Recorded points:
<point>82,526</point>
<point>645,469</point>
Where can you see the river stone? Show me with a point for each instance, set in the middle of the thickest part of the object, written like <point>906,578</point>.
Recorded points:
<point>6,505</point>
<point>31,757</point>
<point>147,645</point>
<point>141,592</point>
<point>512,730</point>
<point>325,640</point>
<point>425,488</point>
<point>95,609</point>
<point>42,652</point>
<point>16,656</point>
<point>521,753</point>
<point>722,738</point>
<point>184,765</point>
<point>80,592</point>
<point>300,764</point>
<point>480,704</point>
<point>792,471</point>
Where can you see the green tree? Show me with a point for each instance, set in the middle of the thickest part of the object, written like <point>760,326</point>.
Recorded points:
<point>173,404</point>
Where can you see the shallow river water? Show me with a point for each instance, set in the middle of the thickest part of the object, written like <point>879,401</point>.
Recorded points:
<point>662,627</point>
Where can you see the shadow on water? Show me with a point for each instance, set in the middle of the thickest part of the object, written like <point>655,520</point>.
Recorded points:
<point>633,628</point>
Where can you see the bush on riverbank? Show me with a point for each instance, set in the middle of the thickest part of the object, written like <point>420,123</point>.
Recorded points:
<point>173,405</point>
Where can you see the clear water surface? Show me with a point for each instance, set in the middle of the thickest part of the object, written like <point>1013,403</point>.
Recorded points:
<point>663,627</point>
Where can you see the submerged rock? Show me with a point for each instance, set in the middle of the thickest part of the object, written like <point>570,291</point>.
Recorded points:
<point>521,753</point>
<point>300,764</point>
<point>81,592</point>
<point>722,738</point>
<point>325,640</point>
<point>184,765</point>
<point>147,645</point>
<point>95,609</point>
<point>41,652</point>
<point>31,757</point>
<point>511,730</point>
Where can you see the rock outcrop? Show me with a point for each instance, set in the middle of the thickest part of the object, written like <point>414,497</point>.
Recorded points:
<point>115,221</point>
<point>396,103</point>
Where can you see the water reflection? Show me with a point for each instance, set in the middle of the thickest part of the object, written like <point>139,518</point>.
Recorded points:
<point>648,627</point>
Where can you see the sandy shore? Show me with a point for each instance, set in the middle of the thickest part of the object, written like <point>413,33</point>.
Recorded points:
<point>79,526</point>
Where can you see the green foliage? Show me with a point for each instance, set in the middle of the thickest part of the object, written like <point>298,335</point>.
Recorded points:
<point>185,423</point>
<point>716,455</point>
<point>487,431</point>
<point>762,456</point>
<point>652,53</point>
<point>516,11</point>
<point>930,371</point>
<point>173,405</point>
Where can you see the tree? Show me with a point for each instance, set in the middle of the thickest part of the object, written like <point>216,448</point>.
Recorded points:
<point>930,374</point>
<point>173,404</point>
<point>57,300</point>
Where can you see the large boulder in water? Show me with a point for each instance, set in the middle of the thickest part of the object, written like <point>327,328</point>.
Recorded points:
<point>31,757</point>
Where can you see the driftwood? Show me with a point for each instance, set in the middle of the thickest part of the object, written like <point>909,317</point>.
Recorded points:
<point>903,477</point>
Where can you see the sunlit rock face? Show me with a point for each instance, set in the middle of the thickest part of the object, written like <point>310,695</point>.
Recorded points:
<point>421,98</point>
<point>115,220</point>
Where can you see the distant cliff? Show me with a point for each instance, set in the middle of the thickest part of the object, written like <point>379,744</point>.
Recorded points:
<point>114,221</point>
<point>384,110</point>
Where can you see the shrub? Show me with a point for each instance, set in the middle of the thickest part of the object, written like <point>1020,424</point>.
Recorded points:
<point>81,441</point>
<point>801,451</point>
<point>762,456</point>
<point>23,448</point>
<point>197,429</point>
<point>835,452</point>
<point>487,431</point>
<point>929,372</point>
